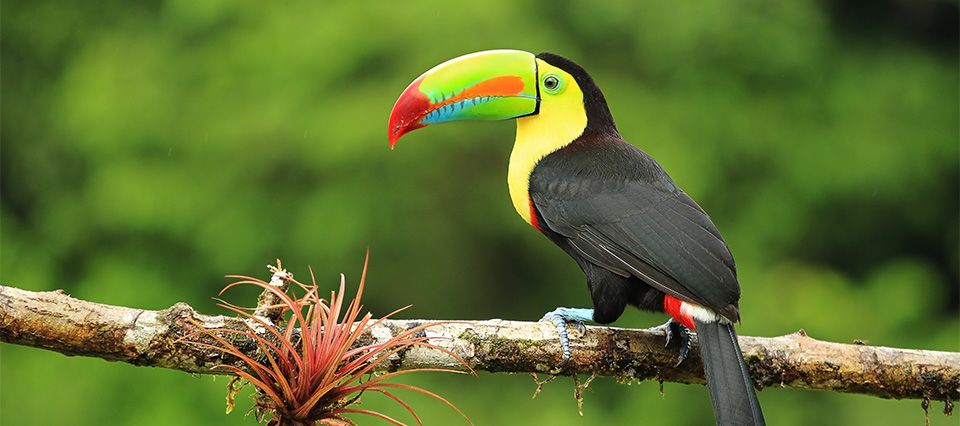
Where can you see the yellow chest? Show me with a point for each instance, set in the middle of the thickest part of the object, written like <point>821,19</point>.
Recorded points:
<point>527,152</point>
<point>554,127</point>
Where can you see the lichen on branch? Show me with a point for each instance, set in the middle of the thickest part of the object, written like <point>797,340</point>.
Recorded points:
<point>58,322</point>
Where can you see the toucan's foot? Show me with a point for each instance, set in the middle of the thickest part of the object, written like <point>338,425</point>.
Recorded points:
<point>673,329</point>
<point>561,317</point>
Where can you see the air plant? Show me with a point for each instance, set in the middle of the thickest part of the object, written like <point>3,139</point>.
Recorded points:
<point>310,368</point>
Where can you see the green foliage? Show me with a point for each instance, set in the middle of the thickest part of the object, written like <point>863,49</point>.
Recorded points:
<point>149,148</point>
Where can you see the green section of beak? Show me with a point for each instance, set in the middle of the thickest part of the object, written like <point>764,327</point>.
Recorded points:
<point>488,85</point>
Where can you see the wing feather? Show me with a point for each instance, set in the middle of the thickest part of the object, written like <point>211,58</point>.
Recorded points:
<point>635,226</point>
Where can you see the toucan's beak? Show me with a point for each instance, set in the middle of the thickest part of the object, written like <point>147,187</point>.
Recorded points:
<point>488,85</point>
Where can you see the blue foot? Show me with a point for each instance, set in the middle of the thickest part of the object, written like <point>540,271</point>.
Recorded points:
<point>671,329</point>
<point>560,317</point>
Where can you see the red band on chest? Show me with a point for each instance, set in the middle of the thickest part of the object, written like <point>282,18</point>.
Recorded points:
<point>674,307</point>
<point>534,222</point>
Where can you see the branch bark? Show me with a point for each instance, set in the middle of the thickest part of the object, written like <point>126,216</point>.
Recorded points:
<point>58,322</point>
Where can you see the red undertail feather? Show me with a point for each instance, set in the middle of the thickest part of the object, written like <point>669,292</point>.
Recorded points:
<point>674,307</point>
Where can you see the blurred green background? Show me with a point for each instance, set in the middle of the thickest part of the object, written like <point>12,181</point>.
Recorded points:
<point>149,148</point>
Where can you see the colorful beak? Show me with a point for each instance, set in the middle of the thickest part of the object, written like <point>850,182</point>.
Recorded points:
<point>488,85</point>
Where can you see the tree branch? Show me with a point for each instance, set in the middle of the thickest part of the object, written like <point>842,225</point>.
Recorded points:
<point>58,322</point>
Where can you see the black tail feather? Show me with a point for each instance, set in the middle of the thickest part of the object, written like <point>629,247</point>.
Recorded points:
<point>734,399</point>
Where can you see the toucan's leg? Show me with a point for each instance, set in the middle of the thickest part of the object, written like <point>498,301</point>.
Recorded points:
<point>560,317</point>
<point>673,330</point>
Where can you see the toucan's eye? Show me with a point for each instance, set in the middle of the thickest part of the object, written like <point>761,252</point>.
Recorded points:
<point>551,83</point>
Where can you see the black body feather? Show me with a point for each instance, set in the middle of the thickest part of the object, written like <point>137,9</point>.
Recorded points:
<point>637,236</point>
<point>609,204</point>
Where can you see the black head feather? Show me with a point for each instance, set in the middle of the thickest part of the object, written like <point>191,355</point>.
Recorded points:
<point>598,115</point>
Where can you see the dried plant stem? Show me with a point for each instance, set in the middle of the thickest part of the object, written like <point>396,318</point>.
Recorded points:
<point>269,305</point>
<point>58,322</point>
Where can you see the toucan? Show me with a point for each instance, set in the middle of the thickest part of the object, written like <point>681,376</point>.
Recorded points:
<point>639,239</point>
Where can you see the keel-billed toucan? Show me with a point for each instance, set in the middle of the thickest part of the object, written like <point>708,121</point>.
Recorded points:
<point>639,238</point>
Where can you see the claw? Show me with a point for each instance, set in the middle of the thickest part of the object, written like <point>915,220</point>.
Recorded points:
<point>685,348</point>
<point>581,328</point>
<point>674,329</point>
<point>561,326</point>
<point>560,317</point>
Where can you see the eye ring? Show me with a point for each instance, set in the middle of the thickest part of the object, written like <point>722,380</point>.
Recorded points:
<point>551,83</point>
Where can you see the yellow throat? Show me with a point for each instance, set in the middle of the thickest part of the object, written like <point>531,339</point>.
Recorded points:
<point>561,120</point>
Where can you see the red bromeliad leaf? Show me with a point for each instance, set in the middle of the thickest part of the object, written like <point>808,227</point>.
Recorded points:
<point>309,368</point>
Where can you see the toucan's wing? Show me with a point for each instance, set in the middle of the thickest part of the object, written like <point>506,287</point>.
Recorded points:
<point>637,225</point>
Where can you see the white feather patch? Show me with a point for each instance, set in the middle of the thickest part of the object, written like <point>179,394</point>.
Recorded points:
<point>698,312</point>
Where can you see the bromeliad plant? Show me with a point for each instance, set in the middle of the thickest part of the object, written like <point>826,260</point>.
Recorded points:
<point>309,369</point>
